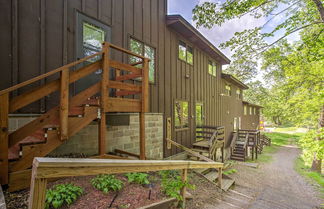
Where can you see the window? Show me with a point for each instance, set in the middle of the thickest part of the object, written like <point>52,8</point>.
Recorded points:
<point>235,124</point>
<point>245,110</point>
<point>181,116</point>
<point>143,49</point>
<point>89,34</point>
<point>185,52</point>
<point>212,68</point>
<point>228,90</point>
<point>239,123</point>
<point>254,111</point>
<point>250,110</point>
<point>238,94</point>
<point>199,114</point>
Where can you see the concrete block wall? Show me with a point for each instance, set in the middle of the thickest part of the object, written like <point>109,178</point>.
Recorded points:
<point>118,137</point>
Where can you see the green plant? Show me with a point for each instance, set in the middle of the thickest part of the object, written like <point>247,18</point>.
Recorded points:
<point>139,178</point>
<point>106,183</point>
<point>230,171</point>
<point>172,183</point>
<point>62,194</point>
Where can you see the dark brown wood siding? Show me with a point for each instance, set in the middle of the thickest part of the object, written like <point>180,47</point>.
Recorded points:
<point>39,35</point>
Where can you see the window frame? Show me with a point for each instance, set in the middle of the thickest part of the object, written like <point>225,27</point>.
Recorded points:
<point>182,127</point>
<point>143,54</point>
<point>214,68</point>
<point>186,45</point>
<point>228,92</point>
<point>238,96</point>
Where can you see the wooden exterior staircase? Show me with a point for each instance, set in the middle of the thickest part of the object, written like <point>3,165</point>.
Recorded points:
<point>51,129</point>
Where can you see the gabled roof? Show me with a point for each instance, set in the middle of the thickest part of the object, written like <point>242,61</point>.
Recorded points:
<point>184,28</point>
<point>248,103</point>
<point>234,80</point>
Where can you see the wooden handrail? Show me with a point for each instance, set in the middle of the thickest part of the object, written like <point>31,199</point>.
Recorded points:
<point>37,78</point>
<point>44,168</point>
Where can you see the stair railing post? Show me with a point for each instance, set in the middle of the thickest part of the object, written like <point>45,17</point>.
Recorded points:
<point>184,178</point>
<point>103,99</point>
<point>4,126</point>
<point>144,109</point>
<point>64,104</point>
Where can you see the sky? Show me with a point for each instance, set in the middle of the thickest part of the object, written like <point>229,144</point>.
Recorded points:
<point>217,34</point>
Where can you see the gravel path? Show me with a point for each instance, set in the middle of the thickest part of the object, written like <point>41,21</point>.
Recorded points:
<point>274,185</point>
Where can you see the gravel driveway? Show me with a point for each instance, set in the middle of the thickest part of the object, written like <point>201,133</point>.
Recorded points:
<point>274,185</point>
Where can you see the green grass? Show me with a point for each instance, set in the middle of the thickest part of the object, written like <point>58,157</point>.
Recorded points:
<point>230,171</point>
<point>302,169</point>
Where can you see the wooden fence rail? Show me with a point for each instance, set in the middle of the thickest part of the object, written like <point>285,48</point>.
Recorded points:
<point>44,168</point>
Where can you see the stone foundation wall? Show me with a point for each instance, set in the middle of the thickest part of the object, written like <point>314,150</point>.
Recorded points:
<point>118,137</point>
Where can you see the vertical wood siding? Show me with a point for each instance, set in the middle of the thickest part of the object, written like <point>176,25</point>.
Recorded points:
<point>39,36</point>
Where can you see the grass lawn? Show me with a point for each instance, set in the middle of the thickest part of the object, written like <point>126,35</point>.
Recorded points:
<point>302,169</point>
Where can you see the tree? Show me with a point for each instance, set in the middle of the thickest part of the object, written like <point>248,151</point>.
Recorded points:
<point>248,45</point>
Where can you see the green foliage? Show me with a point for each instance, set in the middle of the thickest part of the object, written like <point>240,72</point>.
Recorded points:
<point>138,178</point>
<point>281,139</point>
<point>106,183</point>
<point>304,170</point>
<point>231,171</point>
<point>312,144</point>
<point>172,183</point>
<point>62,194</point>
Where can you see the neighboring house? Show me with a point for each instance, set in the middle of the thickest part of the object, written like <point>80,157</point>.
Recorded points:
<point>185,72</point>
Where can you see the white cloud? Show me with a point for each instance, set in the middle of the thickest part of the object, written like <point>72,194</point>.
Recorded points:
<point>218,35</point>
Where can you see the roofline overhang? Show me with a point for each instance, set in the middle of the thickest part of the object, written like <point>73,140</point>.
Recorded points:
<point>173,20</point>
<point>232,79</point>
<point>255,105</point>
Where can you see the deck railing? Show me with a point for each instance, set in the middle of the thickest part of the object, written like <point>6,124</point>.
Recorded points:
<point>68,75</point>
<point>45,168</point>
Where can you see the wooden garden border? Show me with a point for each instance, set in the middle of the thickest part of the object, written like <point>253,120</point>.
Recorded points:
<point>44,168</point>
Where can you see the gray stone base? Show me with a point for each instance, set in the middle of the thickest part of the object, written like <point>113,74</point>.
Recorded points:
<point>118,137</point>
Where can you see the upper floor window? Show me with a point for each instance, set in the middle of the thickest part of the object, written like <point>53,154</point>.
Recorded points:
<point>254,111</point>
<point>181,114</point>
<point>212,68</point>
<point>140,48</point>
<point>238,94</point>
<point>185,52</point>
<point>245,110</point>
<point>228,90</point>
<point>250,110</point>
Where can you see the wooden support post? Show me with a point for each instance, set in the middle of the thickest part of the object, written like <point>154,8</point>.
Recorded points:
<point>184,177</point>
<point>64,104</point>
<point>37,191</point>
<point>220,177</point>
<point>4,125</point>
<point>144,109</point>
<point>103,99</point>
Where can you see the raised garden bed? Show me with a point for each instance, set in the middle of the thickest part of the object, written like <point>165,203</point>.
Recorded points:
<point>131,196</point>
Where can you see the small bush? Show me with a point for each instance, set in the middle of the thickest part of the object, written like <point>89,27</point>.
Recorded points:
<point>172,183</point>
<point>231,171</point>
<point>106,183</point>
<point>62,194</point>
<point>139,178</point>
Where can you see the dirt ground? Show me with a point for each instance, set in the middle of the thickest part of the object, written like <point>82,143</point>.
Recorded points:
<point>274,185</point>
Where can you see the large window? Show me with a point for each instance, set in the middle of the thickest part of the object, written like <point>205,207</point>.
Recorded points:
<point>140,48</point>
<point>250,110</point>
<point>185,52</point>
<point>181,114</point>
<point>245,109</point>
<point>212,68</point>
<point>199,114</point>
<point>228,90</point>
<point>235,124</point>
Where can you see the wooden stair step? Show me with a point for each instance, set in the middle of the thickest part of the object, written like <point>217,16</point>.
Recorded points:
<point>237,158</point>
<point>227,183</point>
<point>92,102</point>
<point>211,176</point>
<point>202,171</point>
<point>75,111</point>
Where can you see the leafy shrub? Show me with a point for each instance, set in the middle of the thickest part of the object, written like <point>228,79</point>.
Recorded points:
<point>311,146</point>
<point>62,194</point>
<point>230,171</point>
<point>172,183</point>
<point>139,178</point>
<point>106,183</point>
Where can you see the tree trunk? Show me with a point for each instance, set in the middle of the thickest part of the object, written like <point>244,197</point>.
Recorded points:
<point>320,8</point>
<point>317,163</point>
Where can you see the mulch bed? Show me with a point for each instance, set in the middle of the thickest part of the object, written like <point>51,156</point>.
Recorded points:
<point>131,196</point>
